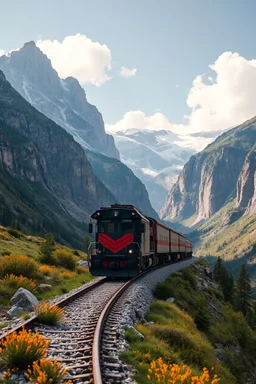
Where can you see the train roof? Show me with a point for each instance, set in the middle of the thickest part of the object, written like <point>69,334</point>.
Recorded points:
<point>166,226</point>
<point>127,207</point>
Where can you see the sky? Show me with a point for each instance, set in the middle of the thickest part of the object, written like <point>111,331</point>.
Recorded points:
<point>183,65</point>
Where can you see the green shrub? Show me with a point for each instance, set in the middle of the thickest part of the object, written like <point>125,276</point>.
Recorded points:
<point>18,265</point>
<point>46,250</point>
<point>163,291</point>
<point>15,233</point>
<point>6,253</point>
<point>188,274</point>
<point>65,259</point>
<point>202,318</point>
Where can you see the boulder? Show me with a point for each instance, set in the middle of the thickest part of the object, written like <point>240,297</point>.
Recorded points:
<point>15,311</point>
<point>139,313</point>
<point>24,299</point>
<point>170,300</point>
<point>82,263</point>
<point>44,287</point>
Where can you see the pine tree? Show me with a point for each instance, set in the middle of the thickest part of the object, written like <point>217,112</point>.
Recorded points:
<point>46,249</point>
<point>243,292</point>
<point>218,269</point>
<point>225,279</point>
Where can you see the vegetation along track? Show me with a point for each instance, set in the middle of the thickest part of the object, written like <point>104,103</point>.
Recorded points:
<point>83,343</point>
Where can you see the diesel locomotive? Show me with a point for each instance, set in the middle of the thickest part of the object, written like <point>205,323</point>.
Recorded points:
<point>127,242</point>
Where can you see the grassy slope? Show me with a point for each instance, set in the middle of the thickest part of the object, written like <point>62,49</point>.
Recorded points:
<point>62,281</point>
<point>235,242</point>
<point>175,337</point>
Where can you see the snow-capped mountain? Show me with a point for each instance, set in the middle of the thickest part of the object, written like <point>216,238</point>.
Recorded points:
<point>30,73</point>
<point>62,100</point>
<point>157,157</point>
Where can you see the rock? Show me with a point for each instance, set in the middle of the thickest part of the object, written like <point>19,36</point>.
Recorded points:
<point>170,300</point>
<point>139,314</point>
<point>15,311</point>
<point>208,272</point>
<point>201,283</point>
<point>82,263</point>
<point>149,323</point>
<point>45,287</point>
<point>136,332</point>
<point>24,299</point>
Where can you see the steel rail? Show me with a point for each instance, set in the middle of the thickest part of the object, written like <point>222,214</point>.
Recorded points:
<point>96,363</point>
<point>61,303</point>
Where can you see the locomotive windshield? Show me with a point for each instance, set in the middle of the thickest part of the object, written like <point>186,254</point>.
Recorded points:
<point>111,226</point>
<point>106,227</point>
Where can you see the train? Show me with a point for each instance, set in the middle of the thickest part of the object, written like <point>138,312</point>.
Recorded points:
<point>128,242</point>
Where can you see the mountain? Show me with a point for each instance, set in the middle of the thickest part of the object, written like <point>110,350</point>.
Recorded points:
<point>156,157</point>
<point>121,181</point>
<point>213,177</point>
<point>46,181</point>
<point>62,100</point>
<point>214,199</point>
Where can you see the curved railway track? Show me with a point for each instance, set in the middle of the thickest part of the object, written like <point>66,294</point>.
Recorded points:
<point>85,341</point>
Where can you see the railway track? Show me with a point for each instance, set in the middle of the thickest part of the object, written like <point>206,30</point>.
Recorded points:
<point>85,342</point>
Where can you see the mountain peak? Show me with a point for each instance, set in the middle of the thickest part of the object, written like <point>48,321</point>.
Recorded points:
<point>30,44</point>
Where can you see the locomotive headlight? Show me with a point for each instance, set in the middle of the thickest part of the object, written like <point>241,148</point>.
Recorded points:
<point>130,251</point>
<point>99,251</point>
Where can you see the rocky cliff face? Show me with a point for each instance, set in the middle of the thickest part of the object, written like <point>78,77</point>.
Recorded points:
<point>122,182</point>
<point>63,100</point>
<point>210,178</point>
<point>45,176</point>
<point>246,184</point>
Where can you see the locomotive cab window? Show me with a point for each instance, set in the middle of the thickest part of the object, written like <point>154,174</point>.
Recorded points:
<point>126,226</point>
<point>104,227</point>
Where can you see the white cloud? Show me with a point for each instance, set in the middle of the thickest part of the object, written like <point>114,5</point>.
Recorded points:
<point>138,119</point>
<point>227,101</point>
<point>126,72</point>
<point>80,57</point>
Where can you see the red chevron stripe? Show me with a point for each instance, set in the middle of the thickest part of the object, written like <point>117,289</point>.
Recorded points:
<point>115,245</point>
<point>104,237</point>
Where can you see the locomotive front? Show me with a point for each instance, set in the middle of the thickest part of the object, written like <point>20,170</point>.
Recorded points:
<point>121,239</point>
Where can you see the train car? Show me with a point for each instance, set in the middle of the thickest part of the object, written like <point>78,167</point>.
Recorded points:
<point>161,239</point>
<point>189,249</point>
<point>122,246</point>
<point>128,242</point>
<point>182,243</point>
<point>174,244</point>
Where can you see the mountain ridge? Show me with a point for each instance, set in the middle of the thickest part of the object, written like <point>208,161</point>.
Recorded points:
<point>64,101</point>
<point>46,180</point>
<point>209,179</point>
